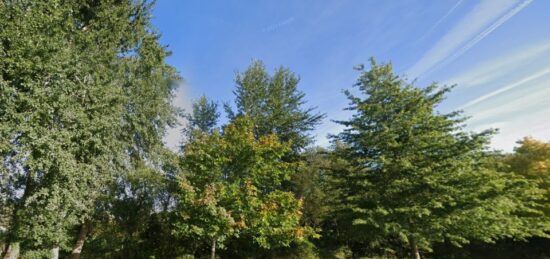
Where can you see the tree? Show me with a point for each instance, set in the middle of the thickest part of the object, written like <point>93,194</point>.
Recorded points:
<point>74,78</point>
<point>203,117</point>
<point>532,160</point>
<point>309,184</point>
<point>233,187</point>
<point>134,220</point>
<point>274,104</point>
<point>416,177</point>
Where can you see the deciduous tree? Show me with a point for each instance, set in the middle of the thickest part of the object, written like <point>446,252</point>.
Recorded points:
<point>83,84</point>
<point>233,187</point>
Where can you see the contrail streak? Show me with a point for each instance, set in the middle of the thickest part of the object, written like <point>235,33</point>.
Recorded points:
<point>440,20</point>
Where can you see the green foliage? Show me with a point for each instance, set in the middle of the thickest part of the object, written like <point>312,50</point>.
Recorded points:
<point>274,104</point>
<point>233,187</point>
<point>85,102</point>
<point>84,88</point>
<point>203,118</point>
<point>310,184</point>
<point>532,161</point>
<point>415,177</point>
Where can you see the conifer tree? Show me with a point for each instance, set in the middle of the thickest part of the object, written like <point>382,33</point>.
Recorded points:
<point>417,177</point>
<point>203,117</point>
<point>275,105</point>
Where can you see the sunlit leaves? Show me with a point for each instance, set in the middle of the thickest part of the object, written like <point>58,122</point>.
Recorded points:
<point>415,174</point>
<point>233,187</point>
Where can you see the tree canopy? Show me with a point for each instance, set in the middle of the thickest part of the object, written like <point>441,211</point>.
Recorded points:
<point>203,117</point>
<point>274,104</point>
<point>415,175</point>
<point>232,188</point>
<point>84,89</point>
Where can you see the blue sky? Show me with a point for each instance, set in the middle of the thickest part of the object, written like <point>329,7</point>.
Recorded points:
<point>497,52</point>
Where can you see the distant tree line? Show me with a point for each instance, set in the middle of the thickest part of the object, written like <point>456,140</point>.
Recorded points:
<point>86,99</point>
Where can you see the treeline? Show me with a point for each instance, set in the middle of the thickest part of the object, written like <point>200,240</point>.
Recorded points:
<point>86,98</point>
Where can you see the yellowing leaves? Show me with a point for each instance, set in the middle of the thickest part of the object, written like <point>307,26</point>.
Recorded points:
<point>236,186</point>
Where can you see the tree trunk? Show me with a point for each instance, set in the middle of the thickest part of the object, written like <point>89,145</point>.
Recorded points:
<point>77,249</point>
<point>213,249</point>
<point>55,252</point>
<point>414,247</point>
<point>12,251</point>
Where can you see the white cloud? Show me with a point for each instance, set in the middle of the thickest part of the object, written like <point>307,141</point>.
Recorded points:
<point>504,66</point>
<point>510,131</point>
<point>484,18</point>
<point>516,104</point>
<point>321,134</point>
<point>438,22</point>
<point>523,81</point>
<point>516,113</point>
<point>278,25</point>
<point>516,94</point>
<point>182,100</point>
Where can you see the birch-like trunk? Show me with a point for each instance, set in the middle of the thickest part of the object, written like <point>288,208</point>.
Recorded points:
<point>213,249</point>
<point>55,252</point>
<point>77,249</point>
<point>12,251</point>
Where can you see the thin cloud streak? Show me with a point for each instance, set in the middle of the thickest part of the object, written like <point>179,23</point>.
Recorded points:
<point>278,25</point>
<point>511,106</point>
<point>522,81</point>
<point>486,17</point>
<point>502,67</point>
<point>488,31</point>
<point>516,114</point>
<point>438,22</point>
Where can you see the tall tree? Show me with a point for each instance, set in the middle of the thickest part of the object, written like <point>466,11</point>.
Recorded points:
<point>203,117</point>
<point>417,178</point>
<point>74,75</point>
<point>232,188</point>
<point>274,104</point>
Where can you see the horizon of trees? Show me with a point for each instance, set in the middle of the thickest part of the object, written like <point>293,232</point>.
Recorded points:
<point>86,99</point>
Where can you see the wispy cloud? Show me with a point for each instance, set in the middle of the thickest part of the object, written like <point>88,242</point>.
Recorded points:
<point>484,18</point>
<point>438,22</point>
<point>512,130</point>
<point>508,87</point>
<point>278,25</point>
<point>503,66</point>
<point>181,100</point>
<point>514,94</point>
<point>501,20</point>
<point>534,97</point>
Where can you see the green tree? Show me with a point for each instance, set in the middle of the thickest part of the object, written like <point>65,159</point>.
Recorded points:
<point>274,104</point>
<point>416,177</point>
<point>203,117</point>
<point>74,79</point>
<point>232,188</point>
<point>531,159</point>
<point>310,185</point>
<point>134,221</point>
